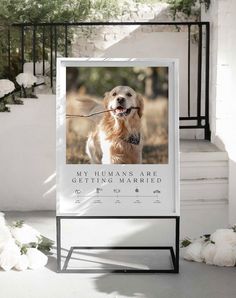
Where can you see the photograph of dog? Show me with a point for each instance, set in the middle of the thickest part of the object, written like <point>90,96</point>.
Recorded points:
<point>117,115</point>
<point>117,138</point>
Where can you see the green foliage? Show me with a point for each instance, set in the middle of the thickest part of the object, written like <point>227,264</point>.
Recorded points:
<point>206,237</point>
<point>20,11</point>
<point>149,81</point>
<point>23,248</point>
<point>186,242</point>
<point>45,244</point>
<point>41,11</point>
<point>91,80</point>
<point>3,107</point>
<point>187,7</point>
<point>18,224</point>
<point>234,228</point>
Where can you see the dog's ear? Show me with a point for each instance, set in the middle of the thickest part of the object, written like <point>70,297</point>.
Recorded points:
<point>140,104</point>
<point>106,99</point>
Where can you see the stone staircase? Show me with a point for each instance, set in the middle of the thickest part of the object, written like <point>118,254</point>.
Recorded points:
<point>204,187</point>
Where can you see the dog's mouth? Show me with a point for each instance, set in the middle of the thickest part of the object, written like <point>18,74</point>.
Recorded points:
<point>121,111</point>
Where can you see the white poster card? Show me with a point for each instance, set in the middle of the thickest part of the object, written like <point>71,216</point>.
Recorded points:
<point>117,137</point>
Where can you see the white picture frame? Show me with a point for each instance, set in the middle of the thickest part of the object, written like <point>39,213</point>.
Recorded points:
<point>169,173</point>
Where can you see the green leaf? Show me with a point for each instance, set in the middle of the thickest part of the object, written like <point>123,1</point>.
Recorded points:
<point>186,242</point>
<point>18,223</point>
<point>234,228</point>
<point>207,237</point>
<point>45,244</point>
<point>23,249</point>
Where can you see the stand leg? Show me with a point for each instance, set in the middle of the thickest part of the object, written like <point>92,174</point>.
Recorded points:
<point>174,251</point>
<point>58,227</point>
<point>177,226</point>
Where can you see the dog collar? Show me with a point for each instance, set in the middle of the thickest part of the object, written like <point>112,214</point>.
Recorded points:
<point>133,139</point>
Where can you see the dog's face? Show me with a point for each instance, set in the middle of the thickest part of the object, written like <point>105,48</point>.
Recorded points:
<point>121,100</point>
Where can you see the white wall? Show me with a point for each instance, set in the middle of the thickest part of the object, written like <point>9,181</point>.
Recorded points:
<point>222,15</point>
<point>27,155</point>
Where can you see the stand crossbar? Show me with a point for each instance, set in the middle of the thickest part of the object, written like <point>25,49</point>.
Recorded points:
<point>174,253</point>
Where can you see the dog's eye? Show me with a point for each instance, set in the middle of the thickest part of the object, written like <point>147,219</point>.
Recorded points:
<point>114,94</point>
<point>129,94</point>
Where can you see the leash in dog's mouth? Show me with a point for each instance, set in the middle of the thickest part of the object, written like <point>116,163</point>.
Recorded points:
<point>125,113</point>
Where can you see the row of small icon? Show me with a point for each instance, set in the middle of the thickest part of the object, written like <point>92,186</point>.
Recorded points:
<point>116,190</point>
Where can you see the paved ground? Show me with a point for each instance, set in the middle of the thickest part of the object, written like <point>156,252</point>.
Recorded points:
<point>194,281</point>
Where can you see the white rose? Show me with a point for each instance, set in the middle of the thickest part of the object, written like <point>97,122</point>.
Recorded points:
<point>2,219</point>
<point>193,251</point>
<point>225,255</point>
<point>22,263</point>
<point>9,255</point>
<point>208,253</point>
<point>223,236</point>
<point>26,79</point>
<point>6,86</point>
<point>25,234</point>
<point>234,253</point>
<point>5,236</point>
<point>36,258</point>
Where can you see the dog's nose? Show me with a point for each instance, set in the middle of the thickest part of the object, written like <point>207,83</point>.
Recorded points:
<point>121,100</point>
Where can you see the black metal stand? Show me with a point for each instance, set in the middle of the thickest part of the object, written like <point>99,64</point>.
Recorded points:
<point>174,252</point>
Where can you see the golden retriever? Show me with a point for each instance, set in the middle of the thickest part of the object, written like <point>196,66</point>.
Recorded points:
<point>117,137</point>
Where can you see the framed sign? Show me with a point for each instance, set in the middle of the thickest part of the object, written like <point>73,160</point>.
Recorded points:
<point>117,137</point>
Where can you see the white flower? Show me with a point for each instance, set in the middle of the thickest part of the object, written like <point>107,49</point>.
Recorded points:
<point>26,79</point>
<point>22,263</point>
<point>25,234</point>
<point>193,251</point>
<point>9,256</point>
<point>6,86</point>
<point>224,236</point>
<point>225,255</point>
<point>5,236</point>
<point>208,253</point>
<point>36,258</point>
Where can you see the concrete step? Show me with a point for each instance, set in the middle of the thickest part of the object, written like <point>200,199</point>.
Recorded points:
<point>31,103</point>
<point>205,190</point>
<point>204,174</point>
<point>200,159</point>
<point>204,170</point>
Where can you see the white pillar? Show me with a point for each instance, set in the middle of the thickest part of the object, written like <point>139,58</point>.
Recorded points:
<point>222,16</point>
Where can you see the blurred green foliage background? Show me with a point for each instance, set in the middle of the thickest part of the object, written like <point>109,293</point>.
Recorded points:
<point>149,81</point>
